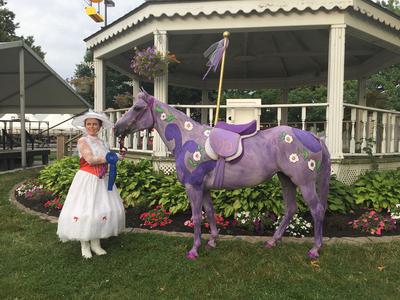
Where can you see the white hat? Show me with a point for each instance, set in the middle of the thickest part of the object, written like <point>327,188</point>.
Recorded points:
<point>80,120</point>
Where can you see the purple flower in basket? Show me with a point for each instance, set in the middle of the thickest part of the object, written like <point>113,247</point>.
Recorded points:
<point>151,63</point>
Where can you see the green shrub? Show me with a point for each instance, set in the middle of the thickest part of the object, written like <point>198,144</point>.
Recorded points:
<point>58,176</point>
<point>265,197</point>
<point>137,183</point>
<point>171,195</point>
<point>340,197</point>
<point>140,185</point>
<point>378,189</point>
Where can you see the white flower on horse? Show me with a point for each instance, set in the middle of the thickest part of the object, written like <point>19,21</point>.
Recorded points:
<point>288,139</point>
<point>311,164</point>
<point>163,116</point>
<point>188,125</point>
<point>197,156</point>
<point>294,158</point>
<point>207,132</point>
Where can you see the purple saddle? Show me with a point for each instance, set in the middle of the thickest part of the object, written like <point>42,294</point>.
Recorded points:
<point>241,129</point>
<point>224,143</point>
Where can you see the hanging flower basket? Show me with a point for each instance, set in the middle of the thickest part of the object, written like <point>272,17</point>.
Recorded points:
<point>151,63</point>
<point>83,85</point>
<point>123,100</point>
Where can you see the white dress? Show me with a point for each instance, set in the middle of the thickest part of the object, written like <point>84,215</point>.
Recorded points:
<point>91,211</point>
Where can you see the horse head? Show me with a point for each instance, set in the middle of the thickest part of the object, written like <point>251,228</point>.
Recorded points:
<point>139,117</point>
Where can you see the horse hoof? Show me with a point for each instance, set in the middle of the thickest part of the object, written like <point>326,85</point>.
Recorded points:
<point>210,245</point>
<point>313,254</point>
<point>270,244</point>
<point>191,256</point>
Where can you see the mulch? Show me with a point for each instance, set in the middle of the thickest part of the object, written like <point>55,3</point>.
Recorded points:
<point>335,225</point>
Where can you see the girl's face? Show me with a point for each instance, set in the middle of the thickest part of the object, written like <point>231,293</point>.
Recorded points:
<point>92,126</point>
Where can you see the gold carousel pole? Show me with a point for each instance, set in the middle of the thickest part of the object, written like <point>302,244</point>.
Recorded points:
<point>221,76</point>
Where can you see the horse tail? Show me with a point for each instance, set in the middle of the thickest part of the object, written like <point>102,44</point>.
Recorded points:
<point>325,174</point>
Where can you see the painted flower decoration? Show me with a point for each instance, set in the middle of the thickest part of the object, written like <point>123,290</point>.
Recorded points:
<point>76,219</point>
<point>294,158</point>
<point>311,164</point>
<point>288,139</point>
<point>104,218</point>
<point>163,116</point>
<point>207,132</point>
<point>188,125</point>
<point>197,156</point>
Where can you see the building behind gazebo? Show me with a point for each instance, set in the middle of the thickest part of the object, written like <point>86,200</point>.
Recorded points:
<point>279,44</point>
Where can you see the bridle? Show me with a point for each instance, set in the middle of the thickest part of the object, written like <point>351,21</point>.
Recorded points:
<point>149,105</point>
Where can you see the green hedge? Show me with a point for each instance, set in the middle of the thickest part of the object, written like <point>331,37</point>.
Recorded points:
<point>140,185</point>
<point>378,189</point>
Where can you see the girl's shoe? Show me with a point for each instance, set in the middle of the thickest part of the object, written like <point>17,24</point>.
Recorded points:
<point>96,247</point>
<point>85,247</point>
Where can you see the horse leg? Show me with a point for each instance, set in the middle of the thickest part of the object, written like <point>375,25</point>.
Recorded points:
<point>289,198</point>
<point>195,195</point>
<point>209,208</point>
<point>317,209</point>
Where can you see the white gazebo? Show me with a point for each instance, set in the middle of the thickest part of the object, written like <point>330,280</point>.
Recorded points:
<point>273,44</point>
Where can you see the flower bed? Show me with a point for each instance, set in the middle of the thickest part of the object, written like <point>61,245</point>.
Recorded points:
<point>335,225</point>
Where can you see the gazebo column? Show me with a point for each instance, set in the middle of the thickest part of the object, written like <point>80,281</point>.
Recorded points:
<point>284,99</point>
<point>99,85</point>
<point>135,88</point>
<point>361,100</point>
<point>334,112</point>
<point>160,89</point>
<point>205,100</point>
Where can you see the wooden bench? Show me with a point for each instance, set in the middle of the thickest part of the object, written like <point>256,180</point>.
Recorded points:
<point>10,160</point>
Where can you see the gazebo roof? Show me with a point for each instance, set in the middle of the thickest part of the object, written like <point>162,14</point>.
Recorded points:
<point>274,43</point>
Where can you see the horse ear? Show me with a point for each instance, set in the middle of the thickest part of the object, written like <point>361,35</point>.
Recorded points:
<point>143,95</point>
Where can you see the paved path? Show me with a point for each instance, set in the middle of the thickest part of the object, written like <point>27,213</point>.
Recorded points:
<point>250,239</point>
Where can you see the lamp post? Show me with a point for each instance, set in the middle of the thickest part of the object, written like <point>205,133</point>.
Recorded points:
<point>107,3</point>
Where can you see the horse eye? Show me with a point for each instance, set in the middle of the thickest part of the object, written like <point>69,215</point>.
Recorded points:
<point>137,108</point>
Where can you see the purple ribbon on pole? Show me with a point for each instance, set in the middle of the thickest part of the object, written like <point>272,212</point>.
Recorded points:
<point>214,54</point>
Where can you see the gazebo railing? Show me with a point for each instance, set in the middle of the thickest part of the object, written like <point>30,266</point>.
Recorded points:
<point>142,142</point>
<point>370,129</point>
<point>364,128</point>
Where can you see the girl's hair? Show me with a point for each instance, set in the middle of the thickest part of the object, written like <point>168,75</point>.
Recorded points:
<point>100,121</point>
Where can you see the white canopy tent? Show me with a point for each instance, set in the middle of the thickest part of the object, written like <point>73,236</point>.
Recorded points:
<point>29,85</point>
<point>60,121</point>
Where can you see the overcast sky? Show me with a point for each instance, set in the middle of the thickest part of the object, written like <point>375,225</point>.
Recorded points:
<point>59,27</point>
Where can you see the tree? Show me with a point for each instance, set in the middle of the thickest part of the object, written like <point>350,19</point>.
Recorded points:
<point>392,5</point>
<point>8,27</point>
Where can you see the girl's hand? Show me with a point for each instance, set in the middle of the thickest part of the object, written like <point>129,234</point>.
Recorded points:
<point>122,154</point>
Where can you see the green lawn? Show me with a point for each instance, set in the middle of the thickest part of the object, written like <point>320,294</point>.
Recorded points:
<point>34,264</point>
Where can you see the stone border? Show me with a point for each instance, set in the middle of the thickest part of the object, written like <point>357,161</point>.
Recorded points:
<point>249,239</point>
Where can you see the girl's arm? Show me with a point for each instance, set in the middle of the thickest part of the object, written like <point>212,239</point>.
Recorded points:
<point>87,154</point>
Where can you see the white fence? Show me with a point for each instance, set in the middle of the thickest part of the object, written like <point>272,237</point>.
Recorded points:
<point>367,127</point>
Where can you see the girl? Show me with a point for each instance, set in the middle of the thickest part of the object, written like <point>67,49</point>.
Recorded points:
<point>90,211</point>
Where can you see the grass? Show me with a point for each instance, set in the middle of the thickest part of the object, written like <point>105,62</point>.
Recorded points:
<point>34,264</point>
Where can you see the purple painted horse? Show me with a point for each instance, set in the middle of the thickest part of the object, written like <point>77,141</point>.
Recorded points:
<point>237,156</point>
